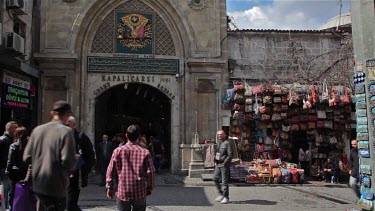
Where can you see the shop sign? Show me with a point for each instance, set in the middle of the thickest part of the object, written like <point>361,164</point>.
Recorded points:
<point>133,65</point>
<point>16,80</point>
<point>15,96</point>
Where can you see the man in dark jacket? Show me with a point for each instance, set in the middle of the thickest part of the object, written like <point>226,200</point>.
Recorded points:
<point>223,160</point>
<point>330,168</point>
<point>84,149</point>
<point>354,168</point>
<point>51,154</point>
<point>5,141</point>
<point>105,150</point>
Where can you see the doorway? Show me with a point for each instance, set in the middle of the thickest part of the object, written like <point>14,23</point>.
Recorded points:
<point>135,103</point>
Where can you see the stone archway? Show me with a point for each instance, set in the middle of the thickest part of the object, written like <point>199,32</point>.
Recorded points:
<point>168,85</point>
<point>137,103</point>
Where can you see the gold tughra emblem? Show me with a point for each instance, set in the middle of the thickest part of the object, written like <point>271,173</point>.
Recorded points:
<point>134,31</point>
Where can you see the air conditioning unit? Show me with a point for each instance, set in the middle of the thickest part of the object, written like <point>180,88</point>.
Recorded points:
<point>14,42</point>
<point>18,6</point>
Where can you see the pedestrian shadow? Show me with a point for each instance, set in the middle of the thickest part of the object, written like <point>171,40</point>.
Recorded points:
<point>255,201</point>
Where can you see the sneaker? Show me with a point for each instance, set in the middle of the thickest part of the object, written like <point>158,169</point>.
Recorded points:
<point>219,198</point>
<point>224,201</point>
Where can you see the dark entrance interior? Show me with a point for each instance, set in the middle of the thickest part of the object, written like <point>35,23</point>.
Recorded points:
<point>135,103</point>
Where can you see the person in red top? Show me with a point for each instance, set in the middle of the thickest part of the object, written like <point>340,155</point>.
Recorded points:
<point>131,165</point>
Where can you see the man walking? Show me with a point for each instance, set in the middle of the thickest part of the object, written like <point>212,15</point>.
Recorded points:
<point>51,154</point>
<point>354,168</point>
<point>5,141</point>
<point>133,167</point>
<point>223,160</point>
<point>105,150</point>
<point>84,149</point>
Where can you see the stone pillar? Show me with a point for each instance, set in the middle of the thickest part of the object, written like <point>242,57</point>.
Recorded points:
<point>362,14</point>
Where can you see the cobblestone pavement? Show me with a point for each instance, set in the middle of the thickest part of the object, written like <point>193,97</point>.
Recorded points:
<point>174,193</point>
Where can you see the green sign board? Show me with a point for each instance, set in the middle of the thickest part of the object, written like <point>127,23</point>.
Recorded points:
<point>130,65</point>
<point>134,33</point>
<point>14,96</point>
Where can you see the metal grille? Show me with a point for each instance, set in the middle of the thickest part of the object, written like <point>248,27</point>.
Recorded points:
<point>164,42</point>
<point>103,39</point>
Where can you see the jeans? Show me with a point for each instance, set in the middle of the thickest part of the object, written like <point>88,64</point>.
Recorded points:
<point>47,203</point>
<point>6,188</point>
<point>354,186</point>
<point>328,175</point>
<point>133,205</point>
<point>222,173</point>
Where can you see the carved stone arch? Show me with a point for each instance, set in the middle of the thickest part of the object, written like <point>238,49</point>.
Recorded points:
<point>180,31</point>
<point>104,36</point>
<point>206,86</point>
<point>170,14</point>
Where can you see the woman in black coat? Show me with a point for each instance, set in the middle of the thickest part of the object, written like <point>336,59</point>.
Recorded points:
<point>16,168</point>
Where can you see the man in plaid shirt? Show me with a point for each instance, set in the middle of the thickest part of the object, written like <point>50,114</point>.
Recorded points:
<point>131,165</point>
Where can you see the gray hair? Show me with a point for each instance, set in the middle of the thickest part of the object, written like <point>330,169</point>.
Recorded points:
<point>9,124</point>
<point>72,120</point>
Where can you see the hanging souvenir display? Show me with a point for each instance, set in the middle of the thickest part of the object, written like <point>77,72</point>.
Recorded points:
<point>270,120</point>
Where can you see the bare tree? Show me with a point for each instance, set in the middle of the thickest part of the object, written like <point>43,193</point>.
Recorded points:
<point>294,62</point>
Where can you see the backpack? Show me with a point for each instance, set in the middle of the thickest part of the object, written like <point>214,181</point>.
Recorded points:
<point>294,175</point>
<point>285,175</point>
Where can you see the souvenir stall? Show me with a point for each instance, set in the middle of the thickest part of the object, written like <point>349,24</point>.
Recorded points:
<point>302,125</point>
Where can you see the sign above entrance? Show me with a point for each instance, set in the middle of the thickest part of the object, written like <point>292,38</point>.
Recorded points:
<point>130,65</point>
<point>135,32</point>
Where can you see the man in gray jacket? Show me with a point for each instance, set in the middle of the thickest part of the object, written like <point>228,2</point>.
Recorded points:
<point>51,154</point>
<point>223,160</point>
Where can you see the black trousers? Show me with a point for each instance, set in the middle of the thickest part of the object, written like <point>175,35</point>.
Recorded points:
<point>133,205</point>
<point>73,193</point>
<point>48,203</point>
<point>103,171</point>
<point>11,193</point>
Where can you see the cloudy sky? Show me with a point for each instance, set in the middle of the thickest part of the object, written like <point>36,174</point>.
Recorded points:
<point>284,14</point>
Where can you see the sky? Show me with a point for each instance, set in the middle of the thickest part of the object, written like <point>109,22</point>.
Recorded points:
<point>284,14</point>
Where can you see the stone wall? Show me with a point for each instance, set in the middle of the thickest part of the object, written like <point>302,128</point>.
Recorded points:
<point>270,54</point>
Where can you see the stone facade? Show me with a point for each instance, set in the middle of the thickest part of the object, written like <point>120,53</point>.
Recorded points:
<point>190,32</point>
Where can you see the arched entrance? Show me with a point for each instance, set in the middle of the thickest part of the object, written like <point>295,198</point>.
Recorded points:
<point>135,103</point>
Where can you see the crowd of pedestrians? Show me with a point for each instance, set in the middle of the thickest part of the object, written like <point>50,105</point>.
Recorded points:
<point>46,170</point>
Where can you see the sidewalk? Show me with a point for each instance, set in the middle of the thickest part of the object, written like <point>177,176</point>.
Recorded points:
<point>168,179</point>
<point>174,192</point>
